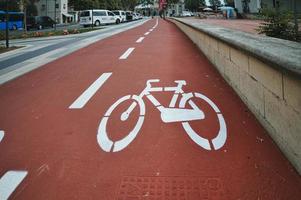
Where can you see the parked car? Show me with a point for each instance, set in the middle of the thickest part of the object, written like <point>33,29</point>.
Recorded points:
<point>129,15</point>
<point>121,14</point>
<point>186,14</point>
<point>135,16</point>
<point>140,16</point>
<point>39,22</point>
<point>98,17</point>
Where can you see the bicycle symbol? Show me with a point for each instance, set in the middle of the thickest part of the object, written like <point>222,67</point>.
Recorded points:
<point>168,115</point>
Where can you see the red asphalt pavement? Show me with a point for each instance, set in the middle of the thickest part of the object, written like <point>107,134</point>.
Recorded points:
<point>58,146</point>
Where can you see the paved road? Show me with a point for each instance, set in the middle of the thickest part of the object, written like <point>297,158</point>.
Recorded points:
<point>96,124</point>
<point>39,51</point>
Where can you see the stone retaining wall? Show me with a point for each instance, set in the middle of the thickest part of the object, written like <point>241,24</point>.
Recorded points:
<point>265,72</point>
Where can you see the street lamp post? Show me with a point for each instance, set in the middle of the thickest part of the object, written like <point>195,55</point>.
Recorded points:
<point>6,23</point>
<point>55,15</point>
<point>295,17</point>
<point>92,16</point>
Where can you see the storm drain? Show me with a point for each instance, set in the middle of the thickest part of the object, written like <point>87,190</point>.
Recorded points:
<point>170,188</point>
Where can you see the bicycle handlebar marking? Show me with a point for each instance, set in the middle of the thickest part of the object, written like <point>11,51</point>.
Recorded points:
<point>168,115</point>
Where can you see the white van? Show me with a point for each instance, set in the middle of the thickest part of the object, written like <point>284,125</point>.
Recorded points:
<point>99,17</point>
<point>121,14</point>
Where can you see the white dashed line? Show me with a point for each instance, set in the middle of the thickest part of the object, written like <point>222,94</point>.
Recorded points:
<point>140,40</point>
<point>146,33</point>
<point>1,135</point>
<point>127,53</point>
<point>9,182</point>
<point>81,101</point>
<point>150,30</point>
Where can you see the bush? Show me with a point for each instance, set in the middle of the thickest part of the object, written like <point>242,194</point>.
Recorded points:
<point>278,24</point>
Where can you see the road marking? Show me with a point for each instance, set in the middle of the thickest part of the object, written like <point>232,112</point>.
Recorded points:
<point>146,33</point>
<point>127,53</point>
<point>1,135</point>
<point>9,182</point>
<point>169,114</point>
<point>81,101</point>
<point>150,30</point>
<point>140,40</point>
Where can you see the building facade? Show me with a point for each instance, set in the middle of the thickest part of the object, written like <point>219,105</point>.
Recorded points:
<point>55,9</point>
<point>176,9</point>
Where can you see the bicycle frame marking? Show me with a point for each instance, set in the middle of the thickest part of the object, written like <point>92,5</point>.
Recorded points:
<point>168,115</point>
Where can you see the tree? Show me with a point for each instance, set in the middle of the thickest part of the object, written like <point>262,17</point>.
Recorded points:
<point>129,4</point>
<point>87,4</point>
<point>194,5</point>
<point>229,3</point>
<point>30,9</point>
<point>13,5</point>
<point>215,3</point>
<point>113,4</point>
<point>278,24</point>
<point>245,5</point>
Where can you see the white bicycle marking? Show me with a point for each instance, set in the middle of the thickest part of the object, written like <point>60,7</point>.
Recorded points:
<point>81,101</point>
<point>102,137</point>
<point>9,182</point>
<point>168,115</point>
<point>1,135</point>
<point>219,141</point>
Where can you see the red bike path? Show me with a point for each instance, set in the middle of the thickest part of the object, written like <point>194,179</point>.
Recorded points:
<point>58,146</point>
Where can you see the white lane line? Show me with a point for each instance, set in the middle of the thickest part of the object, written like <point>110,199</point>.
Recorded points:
<point>150,30</point>
<point>140,40</point>
<point>1,135</point>
<point>146,33</point>
<point>81,101</point>
<point>127,53</point>
<point>9,182</point>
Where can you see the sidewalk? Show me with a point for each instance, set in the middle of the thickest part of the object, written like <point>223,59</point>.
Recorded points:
<point>245,25</point>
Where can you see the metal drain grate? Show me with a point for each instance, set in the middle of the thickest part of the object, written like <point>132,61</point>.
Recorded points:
<point>170,188</point>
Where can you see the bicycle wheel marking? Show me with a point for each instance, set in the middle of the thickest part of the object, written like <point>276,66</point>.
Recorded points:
<point>219,141</point>
<point>196,137</point>
<point>9,182</point>
<point>102,136</point>
<point>1,135</point>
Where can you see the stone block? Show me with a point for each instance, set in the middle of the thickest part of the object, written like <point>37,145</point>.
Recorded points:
<point>232,73</point>
<point>206,40</point>
<point>213,43</point>
<point>253,91</point>
<point>219,63</point>
<point>201,36</point>
<point>292,92</point>
<point>210,55</point>
<point>286,123</point>
<point>240,59</point>
<point>268,76</point>
<point>224,50</point>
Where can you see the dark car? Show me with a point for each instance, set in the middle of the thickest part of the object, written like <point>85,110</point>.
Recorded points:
<point>39,22</point>
<point>129,15</point>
